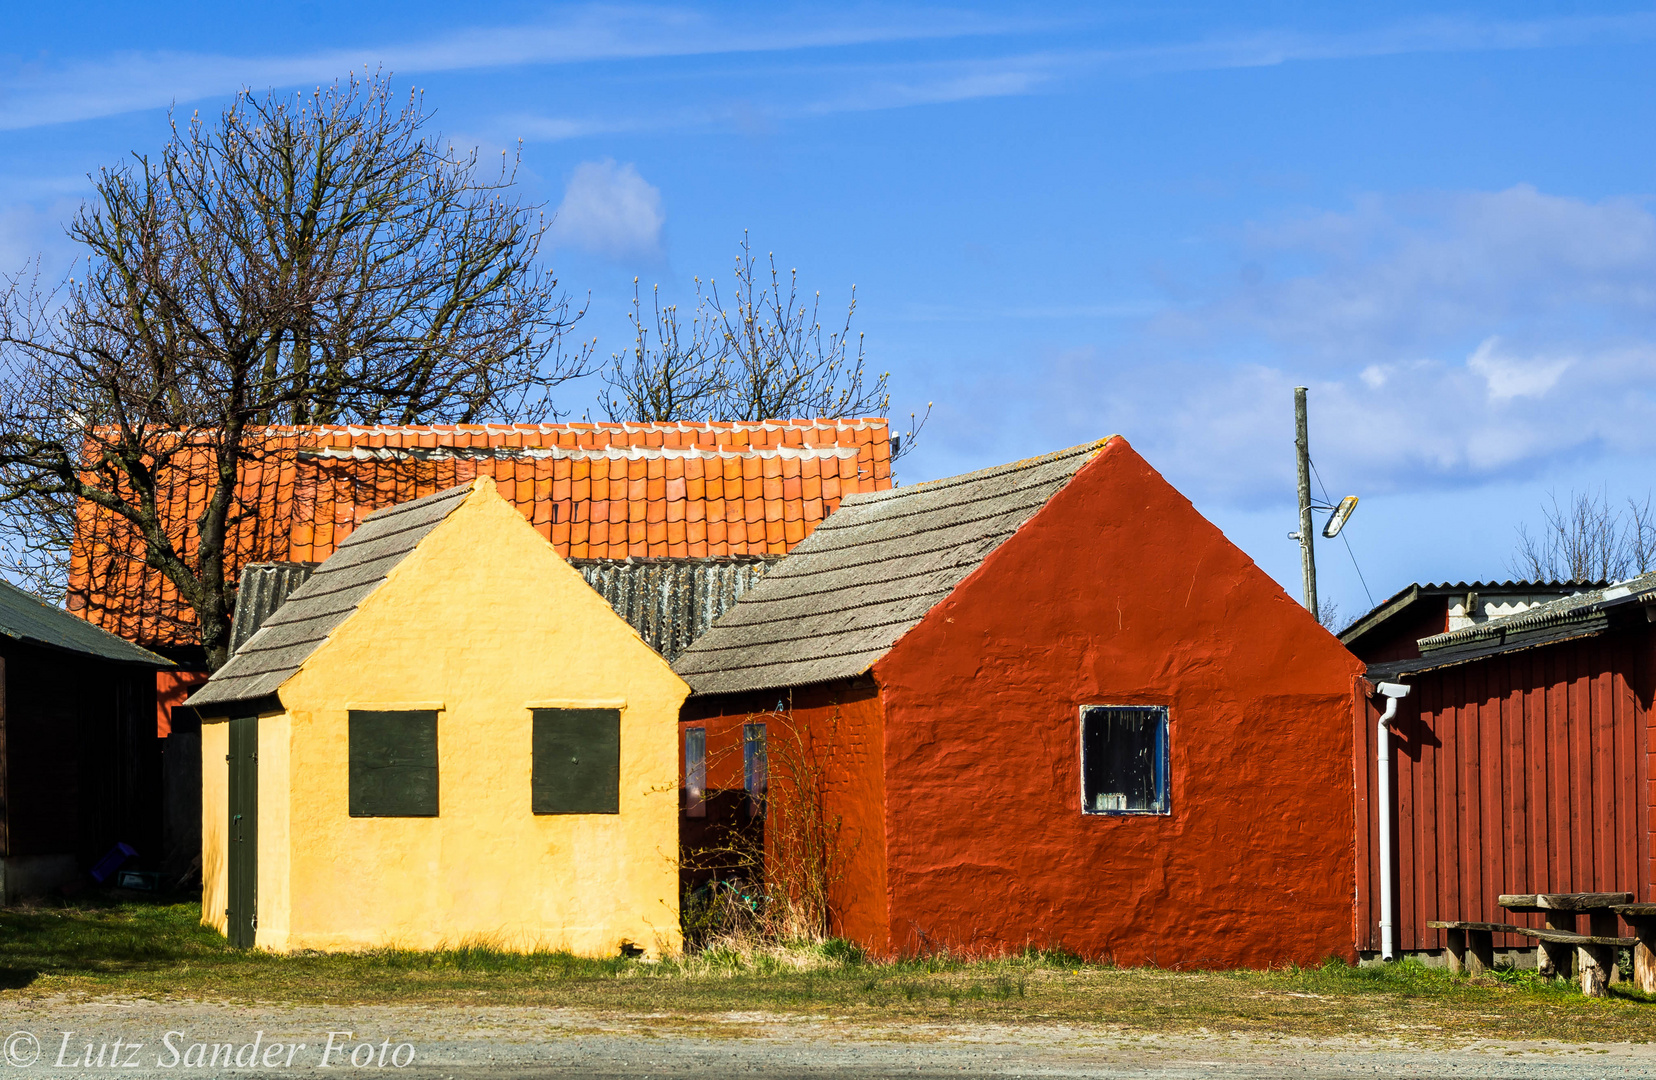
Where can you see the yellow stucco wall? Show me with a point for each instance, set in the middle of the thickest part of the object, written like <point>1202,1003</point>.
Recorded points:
<point>272,901</point>
<point>485,618</point>
<point>215,824</point>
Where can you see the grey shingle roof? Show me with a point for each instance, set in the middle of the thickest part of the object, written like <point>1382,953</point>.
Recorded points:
<point>315,609</point>
<point>868,574</point>
<point>26,617</point>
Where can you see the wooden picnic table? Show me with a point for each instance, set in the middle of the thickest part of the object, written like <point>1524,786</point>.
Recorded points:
<point>1594,953</point>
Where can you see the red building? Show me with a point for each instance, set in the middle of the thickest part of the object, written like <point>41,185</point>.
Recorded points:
<point>1048,704</point>
<point>1519,763</point>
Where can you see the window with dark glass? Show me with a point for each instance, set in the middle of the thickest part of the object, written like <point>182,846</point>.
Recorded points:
<point>1124,759</point>
<point>577,761</point>
<point>755,768</point>
<point>695,772</point>
<point>393,763</point>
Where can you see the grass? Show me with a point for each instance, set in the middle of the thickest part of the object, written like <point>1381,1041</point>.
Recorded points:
<point>159,951</point>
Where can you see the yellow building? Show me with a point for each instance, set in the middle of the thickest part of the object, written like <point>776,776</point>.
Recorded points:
<point>443,737</point>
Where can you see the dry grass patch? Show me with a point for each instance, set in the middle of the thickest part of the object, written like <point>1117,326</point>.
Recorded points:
<point>160,951</point>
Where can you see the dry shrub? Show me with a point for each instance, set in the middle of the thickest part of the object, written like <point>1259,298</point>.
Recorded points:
<point>773,888</point>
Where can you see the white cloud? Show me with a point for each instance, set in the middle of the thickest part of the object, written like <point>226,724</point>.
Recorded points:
<point>1509,377</point>
<point>1449,341</point>
<point>611,210</point>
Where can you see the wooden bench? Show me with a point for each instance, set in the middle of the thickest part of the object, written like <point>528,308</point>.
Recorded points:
<point>1471,944</point>
<point>1643,918</point>
<point>1559,944</point>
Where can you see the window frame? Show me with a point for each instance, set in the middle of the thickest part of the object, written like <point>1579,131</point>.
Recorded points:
<point>756,766</point>
<point>695,772</point>
<point>1162,762</point>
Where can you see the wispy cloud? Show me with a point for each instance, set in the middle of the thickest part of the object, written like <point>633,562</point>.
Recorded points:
<point>110,85</point>
<point>867,87</point>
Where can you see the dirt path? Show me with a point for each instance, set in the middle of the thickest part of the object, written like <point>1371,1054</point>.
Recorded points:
<point>177,1038</point>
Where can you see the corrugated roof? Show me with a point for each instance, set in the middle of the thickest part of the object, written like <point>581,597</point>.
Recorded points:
<point>596,491</point>
<point>1581,614</point>
<point>26,617</point>
<point>314,610</point>
<point>1401,600</point>
<point>1580,606</point>
<point>672,602</point>
<point>868,574</point>
<point>263,588</point>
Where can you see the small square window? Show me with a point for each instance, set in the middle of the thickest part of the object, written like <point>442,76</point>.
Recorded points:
<point>695,772</point>
<point>393,764</point>
<point>1124,760</point>
<point>755,768</point>
<point>576,761</point>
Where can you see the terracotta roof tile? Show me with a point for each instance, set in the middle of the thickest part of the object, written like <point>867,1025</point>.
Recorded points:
<point>588,487</point>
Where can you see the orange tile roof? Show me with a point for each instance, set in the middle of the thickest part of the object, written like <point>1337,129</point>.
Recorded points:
<point>597,491</point>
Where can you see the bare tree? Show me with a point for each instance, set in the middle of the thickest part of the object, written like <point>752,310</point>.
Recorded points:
<point>780,365</point>
<point>672,372</point>
<point>315,259</point>
<point>1587,538</point>
<point>761,354</point>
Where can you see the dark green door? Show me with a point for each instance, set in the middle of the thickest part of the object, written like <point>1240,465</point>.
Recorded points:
<point>244,830</point>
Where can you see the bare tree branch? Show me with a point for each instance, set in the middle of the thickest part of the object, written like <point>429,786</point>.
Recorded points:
<point>306,260</point>
<point>762,355</point>
<point>1586,539</point>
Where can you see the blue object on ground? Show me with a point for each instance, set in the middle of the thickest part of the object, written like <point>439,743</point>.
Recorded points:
<point>112,862</point>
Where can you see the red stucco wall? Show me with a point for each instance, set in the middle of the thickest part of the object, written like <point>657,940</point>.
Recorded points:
<point>840,727</point>
<point>1118,592</point>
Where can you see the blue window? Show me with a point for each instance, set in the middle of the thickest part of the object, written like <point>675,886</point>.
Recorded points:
<point>755,768</point>
<point>1124,760</point>
<point>695,772</point>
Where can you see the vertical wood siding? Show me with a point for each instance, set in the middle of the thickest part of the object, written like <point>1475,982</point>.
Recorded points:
<point>1523,773</point>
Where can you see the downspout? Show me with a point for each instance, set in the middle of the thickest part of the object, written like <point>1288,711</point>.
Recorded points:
<point>1382,738</point>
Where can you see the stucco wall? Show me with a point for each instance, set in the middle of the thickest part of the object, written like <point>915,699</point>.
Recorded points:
<point>215,825</point>
<point>1119,593</point>
<point>487,620</point>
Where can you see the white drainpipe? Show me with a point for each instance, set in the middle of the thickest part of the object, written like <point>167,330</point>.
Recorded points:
<point>1393,692</point>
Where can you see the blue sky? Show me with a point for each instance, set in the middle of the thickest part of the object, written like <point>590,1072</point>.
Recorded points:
<point>1062,222</point>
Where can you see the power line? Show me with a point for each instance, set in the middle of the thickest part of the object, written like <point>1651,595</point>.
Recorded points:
<point>1343,536</point>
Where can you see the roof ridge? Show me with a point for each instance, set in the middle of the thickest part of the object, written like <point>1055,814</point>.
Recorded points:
<point>924,549</point>
<point>313,612</point>
<point>864,498</point>
<point>385,513</point>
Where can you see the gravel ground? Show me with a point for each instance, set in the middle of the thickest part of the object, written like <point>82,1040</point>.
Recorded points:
<point>453,1041</point>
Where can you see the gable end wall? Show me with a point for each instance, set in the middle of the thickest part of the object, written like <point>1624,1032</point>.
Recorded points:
<point>1119,592</point>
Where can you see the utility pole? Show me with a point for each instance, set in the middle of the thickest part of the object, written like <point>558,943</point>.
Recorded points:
<point>1302,451</point>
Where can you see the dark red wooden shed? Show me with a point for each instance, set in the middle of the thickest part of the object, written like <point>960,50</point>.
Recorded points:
<point>1520,765</point>
<point>1051,705</point>
<point>80,766</point>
